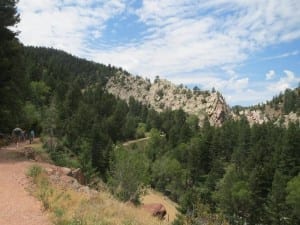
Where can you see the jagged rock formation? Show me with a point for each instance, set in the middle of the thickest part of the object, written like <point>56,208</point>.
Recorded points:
<point>258,116</point>
<point>162,95</point>
<point>281,110</point>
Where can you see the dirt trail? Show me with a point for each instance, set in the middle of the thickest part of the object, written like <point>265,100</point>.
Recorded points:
<point>17,206</point>
<point>135,141</point>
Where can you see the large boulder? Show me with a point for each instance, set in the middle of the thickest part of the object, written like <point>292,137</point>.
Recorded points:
<point>156,210</point>
<point>79,176</point>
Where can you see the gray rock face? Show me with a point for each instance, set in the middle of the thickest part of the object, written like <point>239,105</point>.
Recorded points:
<point>258,116</point>
<point>162,95</point>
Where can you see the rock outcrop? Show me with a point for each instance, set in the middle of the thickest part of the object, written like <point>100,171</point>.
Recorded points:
<point>66,177</point>
<point>259,116</point>
<point>162,95</point>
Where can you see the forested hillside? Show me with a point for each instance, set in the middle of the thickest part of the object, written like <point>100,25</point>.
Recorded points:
<point>67,102</point>
<point>247,173</point>
<point>281,110</point>
<point>12,77</point>
<point>287,102</point>
<point>235,172</point>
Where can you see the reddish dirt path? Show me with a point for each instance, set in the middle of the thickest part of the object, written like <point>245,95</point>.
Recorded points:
<point>17,206</point>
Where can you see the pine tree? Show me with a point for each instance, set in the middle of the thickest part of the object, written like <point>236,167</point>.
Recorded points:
<point>293,199</point>
<point>276,207</point>
<point>12,79</point>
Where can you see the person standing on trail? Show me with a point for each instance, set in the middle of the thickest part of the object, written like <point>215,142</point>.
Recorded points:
<point>31,136</point>
<point>17,135</point>
<point>23,135</point>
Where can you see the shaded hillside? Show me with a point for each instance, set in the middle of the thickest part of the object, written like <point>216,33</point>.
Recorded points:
<point>52,66</point>
<point>67,102</point>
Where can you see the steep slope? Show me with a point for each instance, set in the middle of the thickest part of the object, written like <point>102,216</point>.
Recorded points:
<point>162,95</point>
<point>59,69</point>
<point>56,66</point>
<point>24,200</point>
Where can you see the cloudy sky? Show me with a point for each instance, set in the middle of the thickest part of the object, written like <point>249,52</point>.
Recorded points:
<point>249,50</point>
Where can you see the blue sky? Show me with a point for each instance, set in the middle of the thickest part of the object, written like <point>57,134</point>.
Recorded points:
<point>249,50</point>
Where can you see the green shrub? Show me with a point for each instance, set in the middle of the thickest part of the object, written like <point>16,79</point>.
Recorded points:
<point>45,192</point>
<point>34,171</point>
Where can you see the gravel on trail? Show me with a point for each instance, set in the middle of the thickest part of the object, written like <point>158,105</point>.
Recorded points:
<point>17,206</point>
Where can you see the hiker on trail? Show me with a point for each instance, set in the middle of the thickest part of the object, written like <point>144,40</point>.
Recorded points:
<point>23,135</point>
<point>17,135</point>
<point>31,136</point>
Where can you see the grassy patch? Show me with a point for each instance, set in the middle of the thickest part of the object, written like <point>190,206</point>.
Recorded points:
<point>39,152</point>
<point>34,171</point>
<point>68,207</point>
<point>44,191</point>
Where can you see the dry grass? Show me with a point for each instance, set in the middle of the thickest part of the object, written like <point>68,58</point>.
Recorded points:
<point>156,197</point>
<point>40,152</point>
<point>68,207</point>
<point>109,211</point>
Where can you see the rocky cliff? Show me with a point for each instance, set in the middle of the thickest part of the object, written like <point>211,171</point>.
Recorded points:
<point>162,94</point>
<point>266,114</point>
<point>281,110</point>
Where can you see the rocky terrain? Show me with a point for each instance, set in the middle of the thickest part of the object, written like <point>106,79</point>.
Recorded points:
<point>259,116</point>
<point>162,95</point>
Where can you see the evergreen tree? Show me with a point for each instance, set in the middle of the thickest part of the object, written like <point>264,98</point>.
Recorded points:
<point>12,76</point>
<point>234,196</point>
<point>276,207</point>
<point>293,199</point>
<point>290,155</point>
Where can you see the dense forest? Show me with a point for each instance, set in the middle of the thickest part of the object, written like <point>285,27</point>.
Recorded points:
<point>246,174</point>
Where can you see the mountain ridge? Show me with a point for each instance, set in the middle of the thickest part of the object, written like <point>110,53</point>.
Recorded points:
<point>162,95</point>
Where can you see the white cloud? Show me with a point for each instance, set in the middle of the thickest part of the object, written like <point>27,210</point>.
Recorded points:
<point>270,75</point>
<point>65,24</point>
<point>284,55</point>
<point>238,89</point>
<point>184,39</point>
<point>233,86</point>
<point>181,36</point>
<point>288,80</point>
<point>249,97</point>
